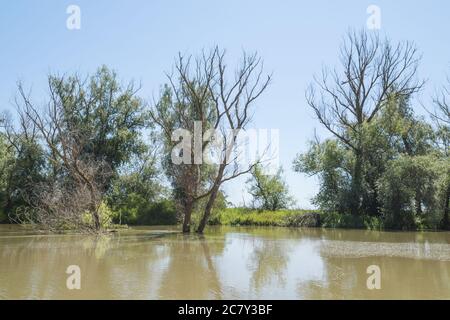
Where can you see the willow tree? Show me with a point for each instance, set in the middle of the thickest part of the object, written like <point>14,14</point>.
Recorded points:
<point>88,128</point>
<point>269,192</point>
<point>441,117</point>
<point>25,161</point>
<point>347,98</point>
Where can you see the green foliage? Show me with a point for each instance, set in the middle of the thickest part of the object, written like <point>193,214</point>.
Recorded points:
<point>269,192</point>
<point>393,164</point>
<point>402,180</point>
<point>93,124</point>
<point>159,213</point>
<point>332,219</point>
<point>110,115</point>
<point>248,217</point>
<point>105,213</point>
<point>332,163</point>
<point>178,108</point>
<point>346,220</point>
<point>373,223</point>
<point>220,205</point>
<point>139,211</point>
<point>3,217</point>
<point>135,195</point>
<point>409,191</point>
<point>5,159</point>
<point>135,189</point>
<point>21,166</point>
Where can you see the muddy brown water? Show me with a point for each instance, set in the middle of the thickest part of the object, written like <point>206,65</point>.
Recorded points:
<point>226,263</point>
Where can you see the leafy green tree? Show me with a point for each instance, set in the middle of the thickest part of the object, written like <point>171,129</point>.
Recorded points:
<point>441,119</point>
<point>332,163</point>
<point>135,188</point>
<point>5,161</point>
<point>88,129</point>
<point>394,133</point>
<point>347,99</point>
<point>269,192</point>
<point>406,180</point>
<point>110,115</point>
<point>23,164</point>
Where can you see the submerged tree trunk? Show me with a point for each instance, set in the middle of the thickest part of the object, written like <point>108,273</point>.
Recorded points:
<point>187,217</point>
<point>93,206</point>
<point>8,207</point>
<point>95,217</point>
<point>211,199</point>
<point>208,209</point>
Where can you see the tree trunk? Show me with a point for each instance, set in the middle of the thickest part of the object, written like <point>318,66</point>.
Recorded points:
<point>418,204</point>
<point>445,219</point>
<point>356,185</point>
<point>8,205</point>
<point>95,217</point>
<point>212,199</point>
<point>187,217</point>
<point>208,209</point>
<point>93,205</point>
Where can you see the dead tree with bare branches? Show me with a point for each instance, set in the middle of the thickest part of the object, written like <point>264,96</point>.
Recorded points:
<point>346,99</point>
<point>200,92</point>
<point>234,98</point>
<point>181,104</point>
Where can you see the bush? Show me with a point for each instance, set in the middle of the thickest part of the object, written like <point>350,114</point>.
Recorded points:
<point>341,220</point>
<point>408,191</point>
<point>373,223</point>
<point>347,220</point>
<point>138,211</point>
<point>159,213</point>
<point>105,214</point>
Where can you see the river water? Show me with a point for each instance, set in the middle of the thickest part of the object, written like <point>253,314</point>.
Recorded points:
<point>226,263</point>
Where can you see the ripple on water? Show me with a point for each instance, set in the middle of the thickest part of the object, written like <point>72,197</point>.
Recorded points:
<point>357,249</point>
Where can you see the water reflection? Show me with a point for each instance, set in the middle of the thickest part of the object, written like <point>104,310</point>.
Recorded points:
<point>227,263</point>
<point>191,271</point>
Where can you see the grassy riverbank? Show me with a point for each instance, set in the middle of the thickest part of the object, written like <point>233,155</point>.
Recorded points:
<point>305,218</point>
<point>279,218</point>
<point>293,218</point>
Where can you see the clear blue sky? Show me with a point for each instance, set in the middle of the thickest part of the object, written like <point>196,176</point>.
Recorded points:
<point>139,39</point>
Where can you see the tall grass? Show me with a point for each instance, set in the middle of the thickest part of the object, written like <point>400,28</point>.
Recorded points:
<point>249,217</point>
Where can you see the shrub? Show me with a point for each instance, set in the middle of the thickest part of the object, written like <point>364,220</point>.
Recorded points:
<point>105,214</point>
<point>408,191</point>
<point>341,220</point>
<point>160,213</point>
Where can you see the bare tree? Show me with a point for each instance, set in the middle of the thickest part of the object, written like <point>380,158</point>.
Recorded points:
<point>200,91</point>
<point>344,100</point>
<point>233,99</point>
<point>183,102</point>
<point>441,117</point>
